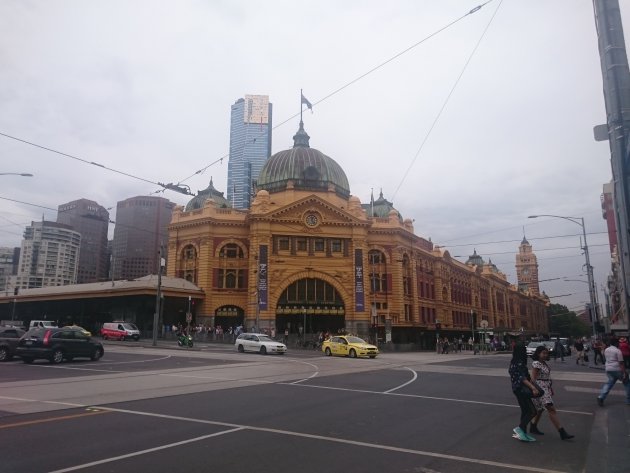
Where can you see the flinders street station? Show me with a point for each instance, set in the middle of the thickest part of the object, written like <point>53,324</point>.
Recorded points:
<point>310,256</point>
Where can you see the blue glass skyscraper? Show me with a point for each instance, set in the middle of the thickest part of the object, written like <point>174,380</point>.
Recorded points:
<point>250,146</point>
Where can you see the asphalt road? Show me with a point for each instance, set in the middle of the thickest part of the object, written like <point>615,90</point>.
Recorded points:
<point>162,410</point>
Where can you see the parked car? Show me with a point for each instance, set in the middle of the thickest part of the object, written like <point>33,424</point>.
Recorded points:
<point>87,332</point>
<point>531,347</point>
<point>259,342</point>
<point>42,324</point>
<point>58,344</point>
<point>9,338</point>
<point>120,331</point>
<point>348,345</point>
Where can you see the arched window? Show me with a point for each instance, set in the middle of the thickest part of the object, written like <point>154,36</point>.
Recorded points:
<point>407,276</point>
<point>231,250</point>
<point>188,263</point>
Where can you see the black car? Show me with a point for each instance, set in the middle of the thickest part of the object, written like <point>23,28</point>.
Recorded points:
<point>9,338</point>
<point>58,344</point>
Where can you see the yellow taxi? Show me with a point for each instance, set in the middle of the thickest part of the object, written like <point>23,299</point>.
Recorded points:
<point>348,345</point>
<point>76,327</point>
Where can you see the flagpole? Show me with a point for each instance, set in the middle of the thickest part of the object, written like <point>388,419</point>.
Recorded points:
<point>301,95</point>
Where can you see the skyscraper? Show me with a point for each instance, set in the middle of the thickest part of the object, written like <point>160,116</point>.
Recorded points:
<point>49,255</point>
<point>141,227</point>
<point>250,146</point>
<point>91,221</point>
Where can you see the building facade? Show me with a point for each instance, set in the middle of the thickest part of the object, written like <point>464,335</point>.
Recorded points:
<point>527,268</point>
<point>91,221</point>
<point>49,255</point>
<point>9,259</point>
<point>250,147</point>
<point>308,256</point>
<point>140,231</point>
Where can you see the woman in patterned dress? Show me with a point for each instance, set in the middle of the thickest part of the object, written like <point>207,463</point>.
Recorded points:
<point>541,374</point>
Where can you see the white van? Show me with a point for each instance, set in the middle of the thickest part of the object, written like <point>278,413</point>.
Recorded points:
<point>42,324</point>
<point>119,331</point>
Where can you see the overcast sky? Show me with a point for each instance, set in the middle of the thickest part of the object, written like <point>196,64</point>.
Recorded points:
<point>145,87</point>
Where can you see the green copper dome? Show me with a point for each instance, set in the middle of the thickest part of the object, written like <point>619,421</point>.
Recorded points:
<point>306,167</point>
<point>209,192</point>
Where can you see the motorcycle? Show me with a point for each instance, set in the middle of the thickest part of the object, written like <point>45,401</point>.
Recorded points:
<point>184,340</point>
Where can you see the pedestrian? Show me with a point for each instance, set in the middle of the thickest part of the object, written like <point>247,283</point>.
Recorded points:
<point>615,371</point>
<point>286,335</point>
<point>541,375</point>
<point>598,351</point>
<point>519,376</point>
<point>579,349</point>
<point>558,349</point>
<point>625,351</point>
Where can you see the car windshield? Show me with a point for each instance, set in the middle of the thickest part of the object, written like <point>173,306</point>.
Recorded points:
<point>355,340</point>
<point>130,327</point>
<point>265,338</point>
<point>534,344</point>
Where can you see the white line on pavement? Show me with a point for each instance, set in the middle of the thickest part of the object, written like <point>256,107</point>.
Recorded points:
<point>415,376</point>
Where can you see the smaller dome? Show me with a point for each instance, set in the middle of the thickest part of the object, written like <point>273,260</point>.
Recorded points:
<point>209,193</point>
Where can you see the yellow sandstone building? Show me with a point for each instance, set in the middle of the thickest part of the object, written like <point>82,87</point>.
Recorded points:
<point>310,256</point>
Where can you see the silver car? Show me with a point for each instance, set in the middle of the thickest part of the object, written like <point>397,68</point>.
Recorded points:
<point>531,347</point>
<point>259,342</point>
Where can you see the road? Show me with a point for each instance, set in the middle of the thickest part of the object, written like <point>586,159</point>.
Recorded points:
<point>163,410</point>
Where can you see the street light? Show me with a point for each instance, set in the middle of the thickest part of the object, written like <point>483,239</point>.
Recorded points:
<point>589,269</point>
<point>23,174</point>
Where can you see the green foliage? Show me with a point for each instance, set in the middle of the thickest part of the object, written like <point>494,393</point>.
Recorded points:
<point>565,323</point>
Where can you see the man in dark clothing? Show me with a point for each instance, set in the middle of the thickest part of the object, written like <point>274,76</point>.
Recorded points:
<point>558,349</point>
<point>579,348</point>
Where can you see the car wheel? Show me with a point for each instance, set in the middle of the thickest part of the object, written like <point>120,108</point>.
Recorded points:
<point>353,354</point>
<point>98,353</point>
<point>27,360</point>
<point>241,349</point>
<point>372,356</point>
<point>4,354</point>
<point>57,356</point>
<point>104,337</point>
<point>327,352</point>
<point>263,350</point>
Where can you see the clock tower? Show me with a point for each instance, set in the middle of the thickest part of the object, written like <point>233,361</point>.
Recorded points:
<point>527,268</point>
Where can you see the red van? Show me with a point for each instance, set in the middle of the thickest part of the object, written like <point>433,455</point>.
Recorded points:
<point>120,331</point>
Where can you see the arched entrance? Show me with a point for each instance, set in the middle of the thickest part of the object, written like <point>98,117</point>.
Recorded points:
<point>228,316</point>
<point>312,305</point>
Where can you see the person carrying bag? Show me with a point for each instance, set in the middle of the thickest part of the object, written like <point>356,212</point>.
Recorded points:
<point>524,389</point>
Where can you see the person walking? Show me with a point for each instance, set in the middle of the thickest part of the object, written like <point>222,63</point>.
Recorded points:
<point>558,349</point>
<point>625,351</point>
<point>579,349</point>
<point>598,351</point>
<point>615,371</point>
<point>519,376</point>
<point>541,375</point>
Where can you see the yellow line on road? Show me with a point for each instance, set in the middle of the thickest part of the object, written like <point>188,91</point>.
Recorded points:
<point>53,419</point>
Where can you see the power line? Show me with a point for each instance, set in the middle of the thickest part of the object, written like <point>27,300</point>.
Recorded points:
<point>448,97</point>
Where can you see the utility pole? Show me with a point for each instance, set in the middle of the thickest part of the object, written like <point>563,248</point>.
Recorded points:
<point>616,86</point>
<point>158,296</point>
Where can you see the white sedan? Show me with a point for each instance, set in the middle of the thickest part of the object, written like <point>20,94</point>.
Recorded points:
<point>259,342</point>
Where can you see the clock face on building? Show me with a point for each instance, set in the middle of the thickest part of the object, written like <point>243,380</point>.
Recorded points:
<point>526,271</point>
<point>311,220</point>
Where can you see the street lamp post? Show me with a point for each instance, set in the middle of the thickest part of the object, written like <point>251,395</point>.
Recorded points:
<point>589,269</point>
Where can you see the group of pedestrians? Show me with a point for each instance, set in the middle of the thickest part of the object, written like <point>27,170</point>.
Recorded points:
<point>534,392</point>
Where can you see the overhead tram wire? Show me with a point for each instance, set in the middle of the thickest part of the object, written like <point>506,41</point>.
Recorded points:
<point>357,79</point>
<point>448,97</point>
<point>176,187</point>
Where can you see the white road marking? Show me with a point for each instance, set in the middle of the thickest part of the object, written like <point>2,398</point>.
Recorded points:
<point>418,396</point>
<point>579,389</point>
<point>415,376</point>
<point>148,450</point>
<point>237,427</point>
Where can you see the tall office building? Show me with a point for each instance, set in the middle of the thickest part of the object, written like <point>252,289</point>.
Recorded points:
<point>49,255</point>
<point>91,221</point>
<point>9,258</point>
<point>250,146</point>
<point>141,227</point>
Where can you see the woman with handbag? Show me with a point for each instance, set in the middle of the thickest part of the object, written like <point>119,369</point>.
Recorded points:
<point>541,375</point>
<point>524,389</point>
